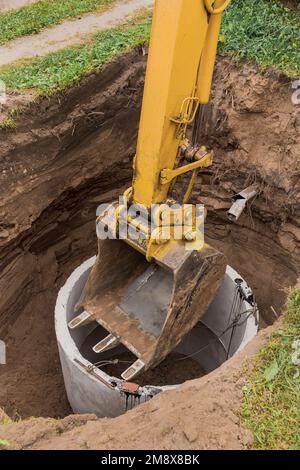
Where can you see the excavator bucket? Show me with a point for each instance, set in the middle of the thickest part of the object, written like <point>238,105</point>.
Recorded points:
<point>148,307</point>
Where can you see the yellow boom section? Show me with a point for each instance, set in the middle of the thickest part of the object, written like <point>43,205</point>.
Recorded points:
<point>177,41</point>
<point>150,291</point>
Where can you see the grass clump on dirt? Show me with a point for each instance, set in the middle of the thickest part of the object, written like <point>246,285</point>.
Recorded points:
<point>58,70</point>
<point>33,18</point>
<point>4,443</point>
<point>265,32</point>
<point>8,124</point>
<point>271,408</point>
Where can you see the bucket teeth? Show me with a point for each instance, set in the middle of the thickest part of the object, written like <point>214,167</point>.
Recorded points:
<point>109,342</point>
<point>80,320</point>
<point>133,370</point>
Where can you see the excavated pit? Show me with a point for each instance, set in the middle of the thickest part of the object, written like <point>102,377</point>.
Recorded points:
<point>73,152</point>
<point>92,380</point>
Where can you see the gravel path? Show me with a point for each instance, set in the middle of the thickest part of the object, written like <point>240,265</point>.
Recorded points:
<point>14,4</point>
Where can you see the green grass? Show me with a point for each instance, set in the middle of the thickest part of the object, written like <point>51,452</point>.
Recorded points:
<point>271,404</point>
<point>33,18</point>
<point>56,71</point>
<point>268,35</point>
<point>264,32</point>
<point>8,124</point>
<point>4,443</point>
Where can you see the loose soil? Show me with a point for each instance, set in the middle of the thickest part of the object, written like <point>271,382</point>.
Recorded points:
<point>73,152</point>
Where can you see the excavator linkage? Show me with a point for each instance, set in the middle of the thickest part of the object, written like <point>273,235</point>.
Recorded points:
<point>149,307</point>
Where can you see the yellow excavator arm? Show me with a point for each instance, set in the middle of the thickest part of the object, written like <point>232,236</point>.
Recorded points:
<point>179,73</point>
<point>149,288</point>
